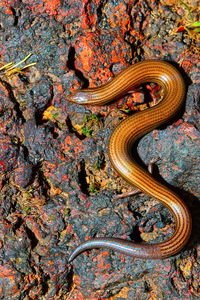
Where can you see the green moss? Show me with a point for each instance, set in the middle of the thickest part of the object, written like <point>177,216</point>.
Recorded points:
<point>91,117</point>
<point>92,188</point>
<point>86,131</point>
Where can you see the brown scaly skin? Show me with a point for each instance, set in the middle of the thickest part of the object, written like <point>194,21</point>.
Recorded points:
<point>121,142</point>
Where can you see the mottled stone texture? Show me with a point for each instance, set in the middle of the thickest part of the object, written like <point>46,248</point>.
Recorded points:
<point>56,181</point>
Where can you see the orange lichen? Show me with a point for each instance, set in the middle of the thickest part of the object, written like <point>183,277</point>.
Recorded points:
<point>101,265</point>
<point>51,113</point>
<point>51,6</point>
<point>123,294</point>
<point>120,18</point>
<point>75,144</point>
<point>85,56</point>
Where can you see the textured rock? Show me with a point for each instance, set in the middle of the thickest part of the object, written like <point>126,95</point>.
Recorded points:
<point>56,181</point>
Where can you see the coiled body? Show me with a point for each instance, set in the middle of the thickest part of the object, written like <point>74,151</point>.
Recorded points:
<point>120,145</point>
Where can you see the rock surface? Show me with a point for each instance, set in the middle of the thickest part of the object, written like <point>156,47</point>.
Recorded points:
<point>56,181</point>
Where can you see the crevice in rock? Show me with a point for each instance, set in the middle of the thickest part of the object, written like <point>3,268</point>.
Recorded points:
<point>135,235</point>
<point>18,224</point>
<point>71,66</point>
<point>15,16</point>
<point>32,237</point>
<point>44,185</point>
<point>147,287</point>
<point>82,178</point>
<point>14,101</point>
<point>44,282</point>
<point>25,152</point>
<point>73,130</point>
<point>99,10</point>
<point>101,161</point>
<point>70,280</point>
<point>39,112</point>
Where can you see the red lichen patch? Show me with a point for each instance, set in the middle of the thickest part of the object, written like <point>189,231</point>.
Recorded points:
<point>50,7</point>
<point>88,14</point>
<point>119,50</point>
<point>135,98</point>
<point>189,61</point>
<point>118,17</point>
<point>72,144</point>
<point>7,4</point>
<point>9,284</point>
<point>88,51</point>
<point>101,264</point>
<point>31,282</point>
<point>90,56</point>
